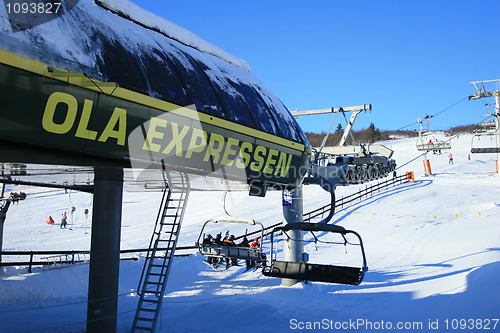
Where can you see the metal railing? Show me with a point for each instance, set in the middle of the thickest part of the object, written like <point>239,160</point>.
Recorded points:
<point>55,258</point>
<point>357,196</point>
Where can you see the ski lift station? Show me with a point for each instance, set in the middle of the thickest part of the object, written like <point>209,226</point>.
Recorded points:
<point>102,98</point>
<point>156,108</point>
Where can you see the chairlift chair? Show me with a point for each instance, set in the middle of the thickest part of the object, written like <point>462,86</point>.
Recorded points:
<point>316,272</point>
<point>231,252</point>
<point>426,142</point>
<point>485,143</point>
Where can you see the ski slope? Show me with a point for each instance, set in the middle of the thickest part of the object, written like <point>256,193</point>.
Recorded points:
<point>433,251</point>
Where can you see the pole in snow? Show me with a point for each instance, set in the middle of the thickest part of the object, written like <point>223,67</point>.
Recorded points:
<point>293,246</point>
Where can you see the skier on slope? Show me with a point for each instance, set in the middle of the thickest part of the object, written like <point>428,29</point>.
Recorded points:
<point>64,220</point>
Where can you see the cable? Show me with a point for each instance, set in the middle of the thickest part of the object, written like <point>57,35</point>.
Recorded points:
<point>453,137</point>
<point>445,109</point>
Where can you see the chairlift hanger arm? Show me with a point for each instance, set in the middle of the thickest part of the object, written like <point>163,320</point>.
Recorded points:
<point>358,108</point>
<point>481,90</point>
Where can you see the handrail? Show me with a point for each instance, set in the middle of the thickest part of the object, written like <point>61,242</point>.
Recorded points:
<point>363,193</point>
<point>32,255</point>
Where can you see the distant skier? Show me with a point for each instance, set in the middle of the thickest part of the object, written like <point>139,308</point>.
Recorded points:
<point>64,221</point>
<point>450,157</point>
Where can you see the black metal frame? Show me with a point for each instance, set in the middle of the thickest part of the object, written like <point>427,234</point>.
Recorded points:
<point>484,150</point>
<point>316,272</point>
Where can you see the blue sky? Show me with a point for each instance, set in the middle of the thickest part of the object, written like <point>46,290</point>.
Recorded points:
<point>406,58</point>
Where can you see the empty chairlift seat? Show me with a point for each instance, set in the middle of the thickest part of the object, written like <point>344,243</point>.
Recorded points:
<point>485,143</point>
<point>316,272</point>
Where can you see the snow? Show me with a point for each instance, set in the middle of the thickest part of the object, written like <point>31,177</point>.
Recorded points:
<point>172,30</point>
<point>432,249</point>
<point>72,45</point>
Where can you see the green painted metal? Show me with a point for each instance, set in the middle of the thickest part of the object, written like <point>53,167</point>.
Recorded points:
<point>49,121</point>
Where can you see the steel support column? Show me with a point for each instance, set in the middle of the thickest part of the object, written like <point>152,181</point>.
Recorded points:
<point>497,125</point>
<point>3,214</point>
<point>102,303</point>
<point>293,246</point>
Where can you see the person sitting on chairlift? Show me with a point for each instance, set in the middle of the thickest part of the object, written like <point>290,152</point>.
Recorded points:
<point>255,243</point>
<point>230,242</point>
<point>217,240</point>
<point>209,240</point>
<point>245,243</point>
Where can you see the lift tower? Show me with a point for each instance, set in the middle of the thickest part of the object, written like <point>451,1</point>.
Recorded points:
<point>482,93</point>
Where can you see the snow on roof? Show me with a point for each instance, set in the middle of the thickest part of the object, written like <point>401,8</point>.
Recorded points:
<point>155,22</point>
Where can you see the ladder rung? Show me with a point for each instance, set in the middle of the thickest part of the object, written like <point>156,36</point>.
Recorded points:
<point>146,319</point>
<point>150,300</point>
<point>154,283</point>
<point>147,310</point>
<point>143,328</point>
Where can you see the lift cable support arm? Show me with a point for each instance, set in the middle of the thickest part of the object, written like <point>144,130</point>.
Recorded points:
<point>354,109</point>
<point>481,90</point>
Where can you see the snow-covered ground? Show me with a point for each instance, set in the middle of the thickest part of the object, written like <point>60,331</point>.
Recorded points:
<point>433,251</point>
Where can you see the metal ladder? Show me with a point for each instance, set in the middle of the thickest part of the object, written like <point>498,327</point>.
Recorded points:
<point>161,251</point>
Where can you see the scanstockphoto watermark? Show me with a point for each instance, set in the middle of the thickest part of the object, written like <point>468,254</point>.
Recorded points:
<point>355,325</point>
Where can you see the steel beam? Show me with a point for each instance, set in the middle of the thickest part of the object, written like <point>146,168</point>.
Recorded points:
<point>102,303</point>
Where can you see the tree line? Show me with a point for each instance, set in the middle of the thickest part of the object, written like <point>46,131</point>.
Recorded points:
<point>373,134</point>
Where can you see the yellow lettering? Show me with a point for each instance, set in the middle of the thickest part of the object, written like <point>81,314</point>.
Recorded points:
<point>211,150</point>
<point>270,161</point>
<point>283,164</point>
<point>258,156</point>
<point>154,134</point>
<point>229,151</point>
<point>176,139</point>
<point>82,131</point>
<point>119,117</point>
<point>246,148</point>
<point>197,143</point>
<point>48,123</point>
